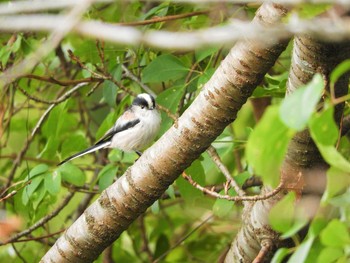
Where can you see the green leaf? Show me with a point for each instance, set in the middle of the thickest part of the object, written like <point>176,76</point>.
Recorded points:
<point>155,207</point>
<point>204,52</point>
<point>72,174</point>
<point>324,133</point>
<point>106,176</point>
<point>329,254</point>
<point>242,177</point>
<point>171,192</point>
<point>29,189</point>
<point>224,207</point>
<point>280,255</point>
<point>163,68</point>
<point>52,127</point>
<point>117,72</point>
<point>340,201</point>
<point>87,73</point>
<point>38,170</point>
<point>110,92</point>
<point>294,229</point>
<point>73,144</point>
<point>267,145</point>
<point>50,148</point>
<point>298,107</point>
<point>340,70</point>
<point>334,158</point>
<point>38,196</point>
<point>302,251</point>
<point>337,182</point>
<point>205,77</point>
<point>187,191</point>
<point>52,183</point>
<point>323,127</point>
<point>281,216</point>
<point>311,10</point>
<point>17,45</point>
<point>5,53</point>
<point>336,234</point>
<point>162,245</point>
<point>170,98</point>
<point>317,225</point>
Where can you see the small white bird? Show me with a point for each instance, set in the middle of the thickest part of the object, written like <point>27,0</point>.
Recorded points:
<point>132,131</point>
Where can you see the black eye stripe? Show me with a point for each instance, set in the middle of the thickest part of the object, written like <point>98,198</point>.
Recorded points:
<point>153,102</point>
<point>145,100</point>
<point>140,102</point>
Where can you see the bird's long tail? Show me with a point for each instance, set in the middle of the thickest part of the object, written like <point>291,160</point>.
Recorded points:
<point>86,151</point>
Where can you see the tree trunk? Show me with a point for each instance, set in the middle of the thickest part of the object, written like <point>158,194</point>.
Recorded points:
<point>304,169</point>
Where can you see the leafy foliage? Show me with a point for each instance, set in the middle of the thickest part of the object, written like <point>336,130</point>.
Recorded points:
<point>245,147</point>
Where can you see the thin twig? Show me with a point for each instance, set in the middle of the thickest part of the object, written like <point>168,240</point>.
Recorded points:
<point>133,77</point>
<point>15,191</point>
<point>41,222</point>
<point>145,245</point>
<point>100,45</point>
<point>83,66</point>
<point>158,19</point>
<point>216,158</point>
<point>266,246</point>
<point>39,238</point>
<point>18,254</point>
<point>64,83</point>
<point>233,198</point>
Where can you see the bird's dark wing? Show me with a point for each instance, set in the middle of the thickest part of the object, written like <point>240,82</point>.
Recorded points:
<point>109,134</point>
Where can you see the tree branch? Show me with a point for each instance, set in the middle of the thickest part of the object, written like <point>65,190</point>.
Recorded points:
<point>144,182</point>
<point>253,198</point>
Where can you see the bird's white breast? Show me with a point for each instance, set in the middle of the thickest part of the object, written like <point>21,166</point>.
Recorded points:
<point>139,136</point>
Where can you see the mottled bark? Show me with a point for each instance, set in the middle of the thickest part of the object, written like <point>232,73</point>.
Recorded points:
<point>310,57</point>
<point>144,182</point>
<point>304,168</point>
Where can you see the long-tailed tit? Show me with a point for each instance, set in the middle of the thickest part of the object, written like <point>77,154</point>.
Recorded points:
<point>132,131</point>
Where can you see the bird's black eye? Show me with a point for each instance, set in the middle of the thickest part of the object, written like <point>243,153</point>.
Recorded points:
<point>142,107</point>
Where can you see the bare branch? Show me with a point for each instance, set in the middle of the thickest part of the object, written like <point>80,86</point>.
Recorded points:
<point>266,247</point>
<point>216,158</point>
<point>62,82</point>
<point>46,5</point>
<point>253,198</point>
<point>321,28</point>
